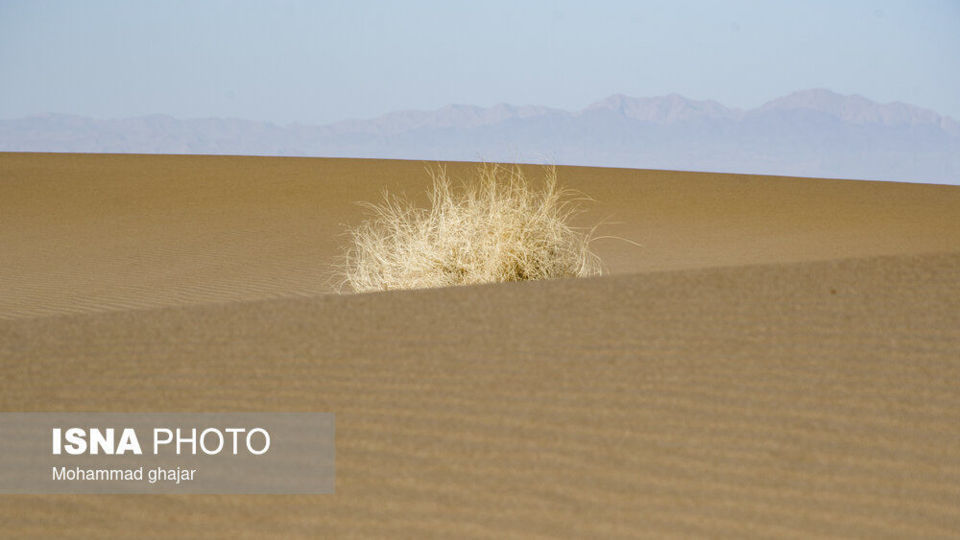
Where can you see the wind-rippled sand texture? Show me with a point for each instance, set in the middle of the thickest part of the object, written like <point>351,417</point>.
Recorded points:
<point>779,359</point>
<point>794,400</point>
<point>86,233</point>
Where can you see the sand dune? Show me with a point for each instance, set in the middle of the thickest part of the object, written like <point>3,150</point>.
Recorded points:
<point>86,233</point>
<point>779,358</point>
<point>790,400</point>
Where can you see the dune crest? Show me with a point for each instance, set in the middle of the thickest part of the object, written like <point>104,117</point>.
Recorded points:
<point>90,233</point>
<point>803,399</point>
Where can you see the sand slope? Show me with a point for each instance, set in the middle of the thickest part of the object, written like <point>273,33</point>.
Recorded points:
<point>85,233</point>
<point>790,400</point>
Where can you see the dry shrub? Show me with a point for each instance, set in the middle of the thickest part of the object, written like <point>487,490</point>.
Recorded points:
<point>497,228</point>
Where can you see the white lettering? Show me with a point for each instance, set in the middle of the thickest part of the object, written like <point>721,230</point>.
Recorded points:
<point>203,445</point>
<point>156,438</point>
<point>76,443</point>
<point>266,441</point>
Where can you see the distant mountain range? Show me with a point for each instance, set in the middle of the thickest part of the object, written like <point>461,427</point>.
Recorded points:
<point>808,133</point>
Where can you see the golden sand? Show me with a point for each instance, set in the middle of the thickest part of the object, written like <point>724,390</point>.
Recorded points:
<point>811,395</point>
<point>83,233</point>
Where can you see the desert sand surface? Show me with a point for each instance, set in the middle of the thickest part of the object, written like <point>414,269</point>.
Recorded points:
<point>779,358</point>
<point>84,233</point>
<point>799,400</point>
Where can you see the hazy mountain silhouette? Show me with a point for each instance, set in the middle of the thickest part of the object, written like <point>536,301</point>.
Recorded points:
<point>808,133</point>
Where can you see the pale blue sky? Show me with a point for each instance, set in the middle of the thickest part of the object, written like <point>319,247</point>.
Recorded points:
<point>317,62</point>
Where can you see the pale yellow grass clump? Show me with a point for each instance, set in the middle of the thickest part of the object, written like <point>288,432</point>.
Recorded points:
<point>498,228</point>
